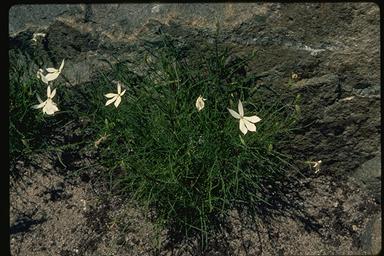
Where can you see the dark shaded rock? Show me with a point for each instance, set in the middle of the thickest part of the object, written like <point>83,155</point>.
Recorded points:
<point>369,174</point>
<point>64,42</point>
<point>22,17</point>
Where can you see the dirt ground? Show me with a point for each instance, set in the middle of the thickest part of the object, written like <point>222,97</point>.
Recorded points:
<point>57,209</point>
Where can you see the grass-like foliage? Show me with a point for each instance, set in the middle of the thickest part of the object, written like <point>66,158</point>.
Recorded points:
<point>192,166</point>
<point>25,125</point>
<point>30,130</point>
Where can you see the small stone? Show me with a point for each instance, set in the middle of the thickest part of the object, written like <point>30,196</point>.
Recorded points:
<point>354,228</point>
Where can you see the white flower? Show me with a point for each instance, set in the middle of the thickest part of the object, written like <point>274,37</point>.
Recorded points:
<point>200,103</point>
<point>295,76</point>
<point>52,73</point>
<point>116,97</point>
<point>316,165</point>
<point>49,107</point>
<point>35,35</point>
<point>246,123</point>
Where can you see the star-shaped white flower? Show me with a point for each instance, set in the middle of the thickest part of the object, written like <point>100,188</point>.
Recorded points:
<point>52,74</point>
<point>115,97</point>
<point>49,107</point>
<point>246,123</point>
<point>200,103</point>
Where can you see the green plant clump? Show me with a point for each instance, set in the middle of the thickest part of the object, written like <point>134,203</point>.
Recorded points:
<point>30,129</point>
<point>25,125</point>
<point>192,166</point>
<point>185,158</point>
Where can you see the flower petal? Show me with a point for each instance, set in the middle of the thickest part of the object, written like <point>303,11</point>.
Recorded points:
<point>111,100</point>
<point>41,105</point>
<point>252,119</point>
<point>53,93</point>
<point>118,88</point>
<point>38,98</point>
<point>39,73</point>
<point>48,91</point>
<point>199,103</point>
<point>54,107</point>
<point>61,66</point>
<point>110,95</point>
<point>41,76</point>
<point>240,108</point>
<point>242,127</point>
<point>117,102</point>
<point>50,108</point>
<point>44,79</point>
<point>234,113</point>
<point>250,126</point>
<point>52,76</point>
<point>121,94</point>
<point>52,70</point>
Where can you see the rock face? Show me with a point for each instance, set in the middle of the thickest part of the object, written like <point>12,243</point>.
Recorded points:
<point>326,38</point>
<point>332,47</point>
